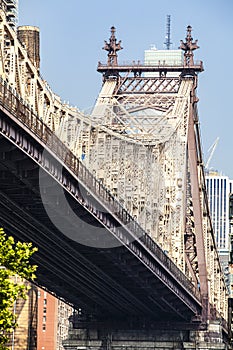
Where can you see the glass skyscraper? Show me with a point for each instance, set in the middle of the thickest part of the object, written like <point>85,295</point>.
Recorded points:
<point>219,188</point>
<point>163,57</point>
<point>154,57</point>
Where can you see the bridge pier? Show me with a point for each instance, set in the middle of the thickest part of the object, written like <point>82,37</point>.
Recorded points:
<point>163,339</point>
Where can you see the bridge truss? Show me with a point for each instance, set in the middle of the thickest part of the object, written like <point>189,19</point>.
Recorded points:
<point>142,141</point>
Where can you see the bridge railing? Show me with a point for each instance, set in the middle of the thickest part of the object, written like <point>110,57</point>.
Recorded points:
<point>150,66</point>
<point>14,104</point>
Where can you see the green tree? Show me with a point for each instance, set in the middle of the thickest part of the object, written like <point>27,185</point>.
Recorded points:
<point>14,260</point>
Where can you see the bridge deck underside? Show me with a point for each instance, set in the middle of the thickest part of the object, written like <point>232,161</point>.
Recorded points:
<point>105,282</point>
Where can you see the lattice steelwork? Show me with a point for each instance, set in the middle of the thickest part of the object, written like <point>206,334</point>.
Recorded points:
<point>138,160</point>
<point>142,141</point>
<point>18,70</point>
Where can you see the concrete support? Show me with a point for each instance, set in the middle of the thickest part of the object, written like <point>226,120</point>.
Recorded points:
<point>167,339</point>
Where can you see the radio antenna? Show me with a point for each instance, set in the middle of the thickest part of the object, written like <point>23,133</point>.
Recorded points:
<point>168,42</point>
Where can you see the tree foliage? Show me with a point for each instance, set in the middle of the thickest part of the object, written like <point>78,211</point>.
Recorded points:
<point>14,260</point>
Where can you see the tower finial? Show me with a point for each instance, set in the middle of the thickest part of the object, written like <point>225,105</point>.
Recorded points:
<point>112,47</point>
<point>189,46</point>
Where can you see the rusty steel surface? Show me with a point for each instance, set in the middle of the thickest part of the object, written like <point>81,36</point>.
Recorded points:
<point>112,47</point>
<point>188,46</point>
<point>139,153</point>
<point>153,259</point>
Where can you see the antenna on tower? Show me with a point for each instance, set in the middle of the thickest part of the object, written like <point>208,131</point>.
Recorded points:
<point>168,42</point>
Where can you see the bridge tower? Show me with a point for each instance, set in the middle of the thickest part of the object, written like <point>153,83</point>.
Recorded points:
<point>138,157</point>
<point>146,148</point>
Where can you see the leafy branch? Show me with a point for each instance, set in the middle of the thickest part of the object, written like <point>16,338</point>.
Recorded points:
<point>14,260</point>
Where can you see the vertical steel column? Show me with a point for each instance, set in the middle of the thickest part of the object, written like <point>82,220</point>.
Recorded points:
<point>197,209</point>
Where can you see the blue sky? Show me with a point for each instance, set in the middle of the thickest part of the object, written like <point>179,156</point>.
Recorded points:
<point>73,34</point>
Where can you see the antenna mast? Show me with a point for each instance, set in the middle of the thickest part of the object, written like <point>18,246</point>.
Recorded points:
<point>168,42</point>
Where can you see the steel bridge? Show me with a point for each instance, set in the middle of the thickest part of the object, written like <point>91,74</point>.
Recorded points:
<point>114,200</point>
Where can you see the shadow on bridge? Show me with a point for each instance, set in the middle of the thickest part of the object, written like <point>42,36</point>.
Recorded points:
<point>91,251</point>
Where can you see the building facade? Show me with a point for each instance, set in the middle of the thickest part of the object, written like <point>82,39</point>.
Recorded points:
<point>10,7</point>
<point>24,336</point>
<point>43,321</point>
<point>155,57</point>
<point>53,321</point>
<point>219,188</point>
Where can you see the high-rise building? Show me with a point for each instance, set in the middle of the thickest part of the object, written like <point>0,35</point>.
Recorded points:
<point>63,323</point>
<point>24,335</point>
<point>43,321</point>
<point>219,188</point>
<point>46,325</point>
<point>231,248</point>
<point>53,321</point>
<point>155,57</point>
<point>10,7</point>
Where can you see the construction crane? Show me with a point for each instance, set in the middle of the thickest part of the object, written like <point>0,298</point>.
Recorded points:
<point>211,150</point>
